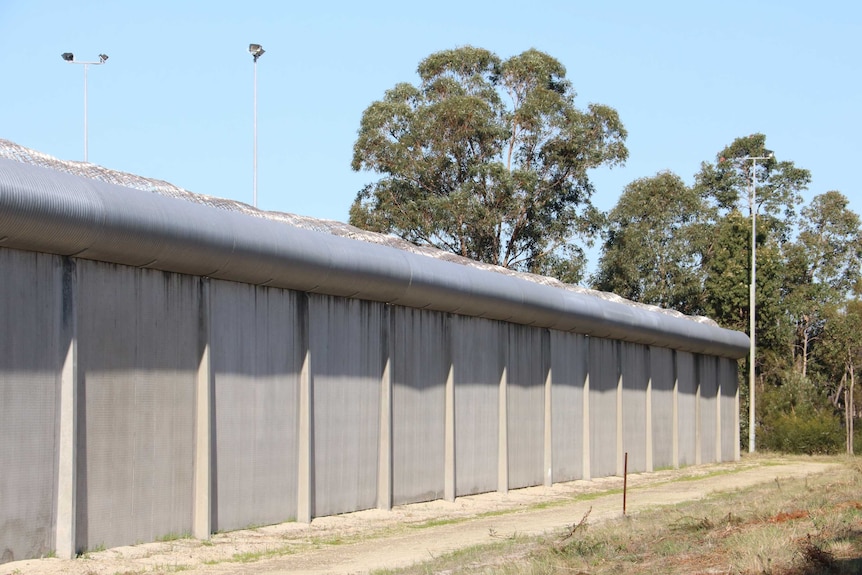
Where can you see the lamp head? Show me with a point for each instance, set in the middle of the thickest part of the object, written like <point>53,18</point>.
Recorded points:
<point>256,50</point>
<point>103,58</point>
<point>68,56</point>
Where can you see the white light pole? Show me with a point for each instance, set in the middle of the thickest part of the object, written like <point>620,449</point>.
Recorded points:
<point>70,58</point>
<point>256,51</point>
<point>752,303</point>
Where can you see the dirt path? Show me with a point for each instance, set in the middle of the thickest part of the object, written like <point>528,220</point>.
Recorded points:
<point>359,542</point>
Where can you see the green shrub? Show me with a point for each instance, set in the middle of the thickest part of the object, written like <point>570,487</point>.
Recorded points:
<point>812,433</point>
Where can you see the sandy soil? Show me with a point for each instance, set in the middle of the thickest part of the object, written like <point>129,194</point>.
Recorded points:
<point>359,542</point>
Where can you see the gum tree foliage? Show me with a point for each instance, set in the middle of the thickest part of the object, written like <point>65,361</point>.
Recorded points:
<point>488,159</point>
<point>823,268</point>
<point>726,253</point>
<point>652,242</point>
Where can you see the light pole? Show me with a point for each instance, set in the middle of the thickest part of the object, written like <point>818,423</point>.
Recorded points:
<point>752,303</point>
<point>256,51</point>
<point>70,58</point>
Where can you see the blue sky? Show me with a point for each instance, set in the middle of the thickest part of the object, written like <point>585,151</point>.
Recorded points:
<point>174,101</point>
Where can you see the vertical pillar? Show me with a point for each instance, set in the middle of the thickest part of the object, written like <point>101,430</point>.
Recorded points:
<point>67,412</point>
<point>648,426</point>
<point>736,438</point>
<point>503,434</point>
<point>675,410</point>
<point>449,436</point>
<point>586,470</point>
<point>718,456</point>
<point>549,447</point>
<point>305,449</point>
<point>620,457</point>
<point>698,436</point>
<point>384,457</point>
<point>202,506</point>
<point>202,501</point>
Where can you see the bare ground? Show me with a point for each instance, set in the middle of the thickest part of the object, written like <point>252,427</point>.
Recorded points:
<point>366,540</point>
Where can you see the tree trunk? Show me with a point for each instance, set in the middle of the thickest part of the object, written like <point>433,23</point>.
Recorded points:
<point>847,437</point>
<point>852,406</point>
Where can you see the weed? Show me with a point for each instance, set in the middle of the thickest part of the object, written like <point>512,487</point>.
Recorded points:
<point>168,537</point>
<point>252,556</point>
<point>809,526</point>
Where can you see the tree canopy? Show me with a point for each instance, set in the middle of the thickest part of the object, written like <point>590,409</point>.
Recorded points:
<point>651,249</point>
<point>689,248</point>
<point>489,159</point>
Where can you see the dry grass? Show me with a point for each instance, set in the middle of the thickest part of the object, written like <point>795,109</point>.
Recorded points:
<point>810,526</point>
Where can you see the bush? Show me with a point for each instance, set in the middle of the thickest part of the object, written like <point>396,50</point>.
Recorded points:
<point>812,433</point>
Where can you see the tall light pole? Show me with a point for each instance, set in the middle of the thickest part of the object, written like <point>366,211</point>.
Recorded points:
<point>70,58</point>
<point>752,300</point>
<point>256,51</point>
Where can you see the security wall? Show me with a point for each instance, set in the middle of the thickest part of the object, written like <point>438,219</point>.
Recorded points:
<point>29,396</point>
<point>257,344</point>
<point>211,403</point>
<point>170,368</point>
<point>664,417</point>
<point>569,376</point>
<point>420,366</point>
<point>138,350</point>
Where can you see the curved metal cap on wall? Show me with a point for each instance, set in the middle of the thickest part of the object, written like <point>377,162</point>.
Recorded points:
<point>53,212</point>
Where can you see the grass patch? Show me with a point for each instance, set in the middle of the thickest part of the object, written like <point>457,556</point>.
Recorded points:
<point>171,568</point>
<point>437,522</point>
<point>807,526</point>
<point>168,537</point>
<point>252,556</point>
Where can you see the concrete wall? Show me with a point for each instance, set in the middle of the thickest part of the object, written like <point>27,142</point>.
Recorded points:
<point>257,350</point>
<point>664,420</point>
<point>30,373</point>
<point>635,373</point>
<point>347,343</point>
<point>138,404</point>
<point>478,360</point>
<point>138,352</point>
<point>605,406</point>
<point>569,411</point>
<point>421,360</point>
<point>687,409</point>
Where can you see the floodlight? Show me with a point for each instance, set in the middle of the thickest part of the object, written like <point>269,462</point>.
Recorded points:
<point>256,50</point>
<point>70,58</point>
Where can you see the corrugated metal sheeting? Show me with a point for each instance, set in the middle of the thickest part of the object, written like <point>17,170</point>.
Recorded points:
<point>152,385</point>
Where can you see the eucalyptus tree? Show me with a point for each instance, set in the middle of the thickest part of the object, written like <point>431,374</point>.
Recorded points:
<point>740,189</point>
<point>825,263</point>
<point>489,159</point>
<point>652,244</point>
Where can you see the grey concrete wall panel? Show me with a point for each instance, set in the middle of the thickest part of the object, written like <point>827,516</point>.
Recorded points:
<point>347,347</point>
<point>635,365</point>
<point>707,373</point>
<point>662,373</point>
<point>138,354</point>
<point>30,308</point>
<point>687,406</point>
<point>604,376</point>
<point>257,352</point>
<point>569,372</point>
<point>420,365</point>
<point>727,377</point>
<point>43,210</point>
<point>527,370</point>
<point>478,357</point>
